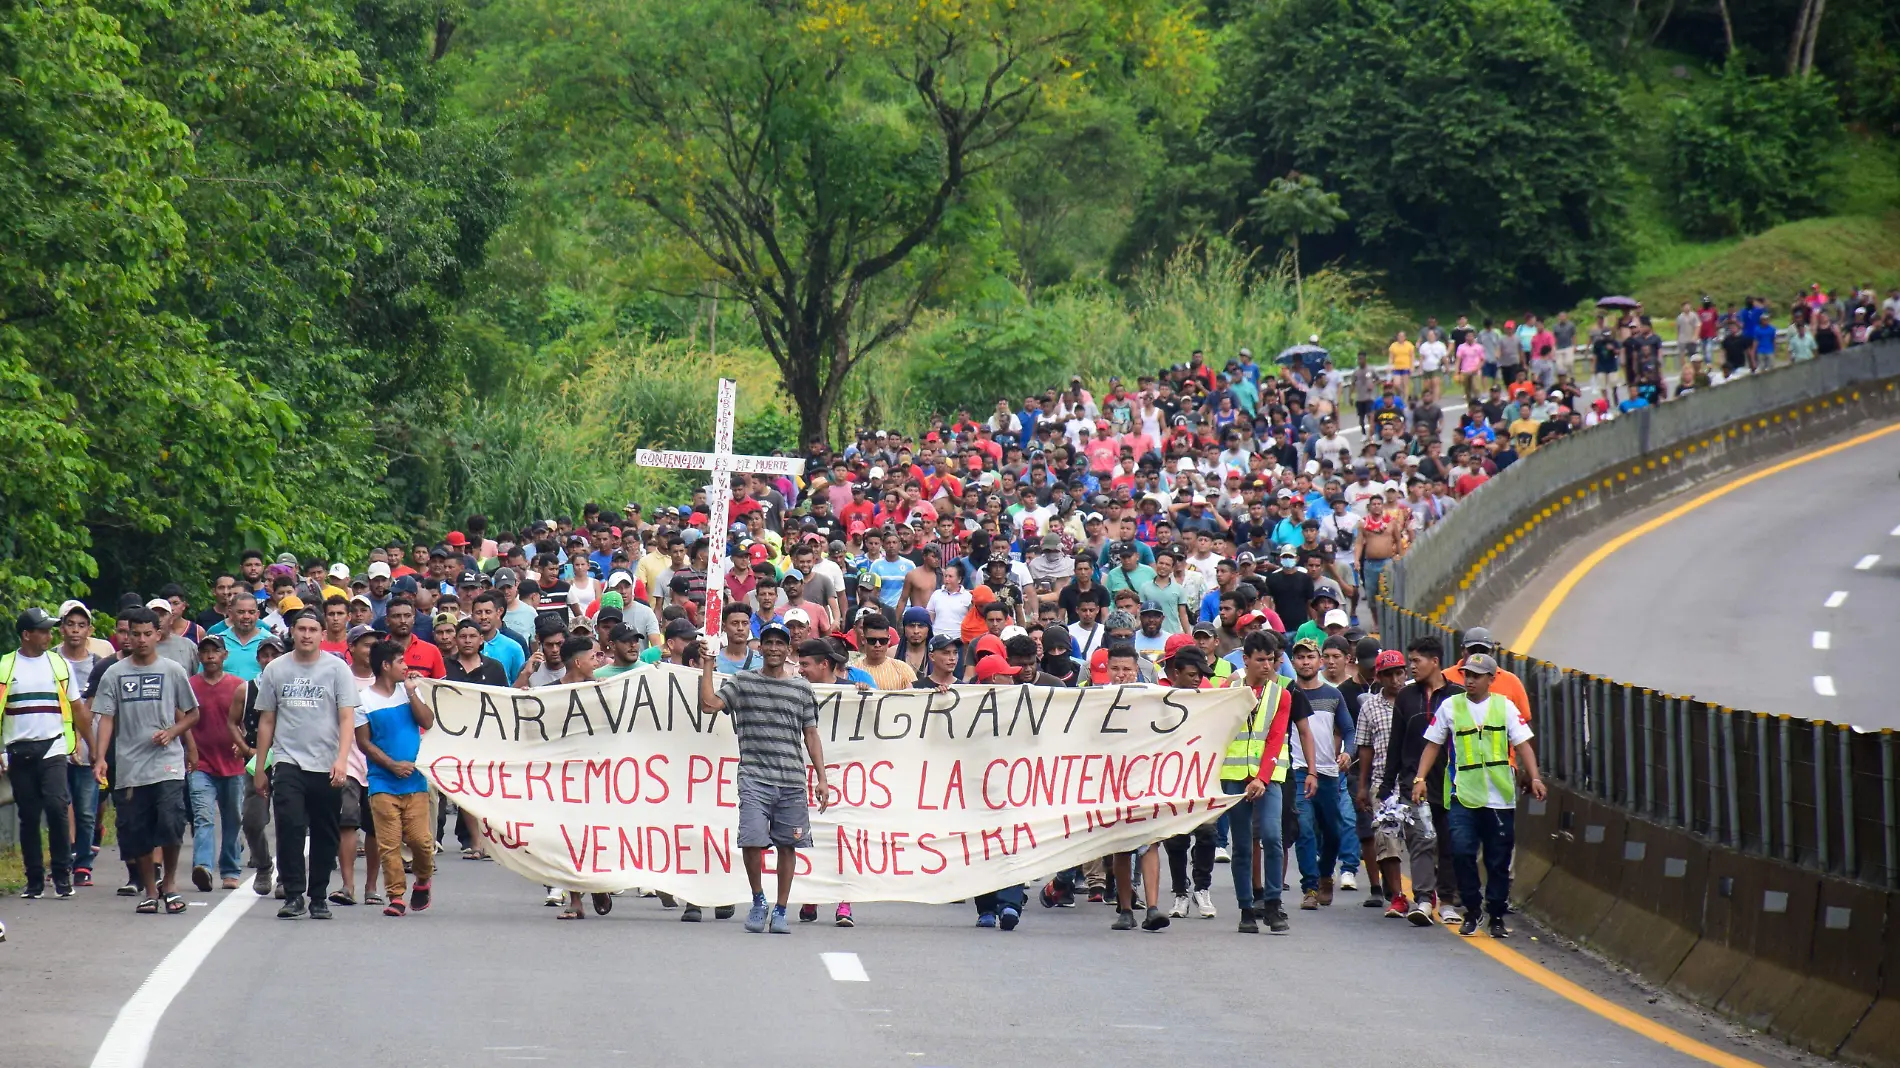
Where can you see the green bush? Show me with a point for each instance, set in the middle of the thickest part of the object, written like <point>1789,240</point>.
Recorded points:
<point>1749,153</point>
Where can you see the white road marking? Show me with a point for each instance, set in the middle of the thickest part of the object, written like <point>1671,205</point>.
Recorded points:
<point>130,1038</point>
<point>1824,685</point>
<point>1836,599</point>
<point>1141,1027</point>
<point>1867,562</point>
<point>1821,639</point>
<point>1895,532</point>
<point>845,967</point>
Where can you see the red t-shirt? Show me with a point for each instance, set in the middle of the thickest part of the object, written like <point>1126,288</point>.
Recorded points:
<point>857,511</point>
<point>212,732</point>
<point>424,657</point>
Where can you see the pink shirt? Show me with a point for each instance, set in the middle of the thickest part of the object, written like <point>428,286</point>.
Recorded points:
<point>1470,358</point>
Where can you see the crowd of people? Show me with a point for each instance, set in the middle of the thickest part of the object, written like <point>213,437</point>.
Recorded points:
<point>1199,527</point>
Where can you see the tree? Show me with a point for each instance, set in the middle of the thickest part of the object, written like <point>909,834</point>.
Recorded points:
<point>827,163</point>
<point>1748,153</point>
<point>1296,205</point>
<point>1475,143</point>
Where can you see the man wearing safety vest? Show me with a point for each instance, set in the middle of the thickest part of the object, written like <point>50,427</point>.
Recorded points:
<point>1255,767</point>
<point>1481,789</point>
<point>41,699</point>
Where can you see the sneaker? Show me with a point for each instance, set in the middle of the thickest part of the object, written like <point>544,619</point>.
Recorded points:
<point>1096,896</point>
<point>755,917</point>
<point>277,891</point>
<point>1156,921</point>
<point>555,898</point>
<point>1348,880</point>
<point>319,909</point>
<point>1326,891</point>
<point>843,916</point>
<point>1469,927</point>
<point>1248,924</point>
<point>1124,921</point>
<point>201,878</point>
<point>807,914</point>
<point>1419,916</point>
<point>1050,895</point>
<point>987,919</point>
<point>667,901</point>
<point>724,912</point>
<point>1204,904</point>
<point>781,923</point>
<point>1276,919</point>
<point>1309,901</point>
<point>1374,899</point>
<point>1222,856</point>
<point>82,876</point>
<point>1449,914</point>
<point>423,895</point>
<point>1182,903</point>
<point>1497,928</point>
<point>292,907</point>
<point>33,893</point>
<point>1009,919</point>
<point>63,891</point>
<point>1397,907</point>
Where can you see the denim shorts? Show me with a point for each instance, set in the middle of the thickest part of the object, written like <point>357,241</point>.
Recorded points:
<point>772,816</point>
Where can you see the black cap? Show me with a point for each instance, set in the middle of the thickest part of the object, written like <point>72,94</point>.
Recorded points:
<point>1365,650</point>
<point>470,578</point>
<point>775,627</point>
<point>35,619</point>
<point>679,628</point>
<point>942,641</point>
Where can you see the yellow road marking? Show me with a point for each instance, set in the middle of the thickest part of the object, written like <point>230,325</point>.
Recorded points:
<point>1540,619</point>
<point>1609,1010</point>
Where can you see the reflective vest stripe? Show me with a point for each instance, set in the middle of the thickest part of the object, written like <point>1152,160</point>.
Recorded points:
<point>1481,752</point>
<point>1242,760</point>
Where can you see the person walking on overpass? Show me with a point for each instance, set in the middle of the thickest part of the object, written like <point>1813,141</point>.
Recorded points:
<point>1505,684</point>
<point>1279,711</point>
<point>774,711</point>
<point>1482,729</point>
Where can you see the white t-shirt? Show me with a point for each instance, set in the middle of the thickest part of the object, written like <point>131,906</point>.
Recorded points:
<point>947,611</point>
<point>1331,526</point>
<point>1516,731</point>
<point>1431,356</point>
<point>37,720</point>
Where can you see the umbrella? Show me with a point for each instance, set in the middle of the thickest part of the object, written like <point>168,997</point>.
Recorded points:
<point>1309,354</point>
<point>1619,302</point>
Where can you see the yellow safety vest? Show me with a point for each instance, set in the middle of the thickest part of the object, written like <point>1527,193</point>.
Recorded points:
<point>62,675</point>
<point>1242,761</point>
<point>1481,752</point>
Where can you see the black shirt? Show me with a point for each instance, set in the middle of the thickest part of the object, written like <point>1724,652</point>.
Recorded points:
<point>1412,712</point>
<point>1070,597</point>
<point>488,674</point>
<point>1291,591</point>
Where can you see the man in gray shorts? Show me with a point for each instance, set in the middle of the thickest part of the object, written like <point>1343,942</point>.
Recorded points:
<point>773,710</point>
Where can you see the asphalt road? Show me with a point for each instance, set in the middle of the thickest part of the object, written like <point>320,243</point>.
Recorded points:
<point>489,977</point>
<point>1778,597</point>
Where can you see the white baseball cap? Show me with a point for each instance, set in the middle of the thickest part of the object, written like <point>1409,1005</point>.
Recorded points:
<point>67,608</point>
<point>159,604</point>
<point>379,570</point>
<point>1186,464</point>
<point>1012,631</point>
<point>617,578</point>
<point>1336,618</point>
<point>798,615</point>
<point>340,571</point>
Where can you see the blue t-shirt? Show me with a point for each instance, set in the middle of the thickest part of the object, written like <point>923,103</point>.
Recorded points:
<point>393,729</point>
<point>890,574</point>
<point>504,650</point>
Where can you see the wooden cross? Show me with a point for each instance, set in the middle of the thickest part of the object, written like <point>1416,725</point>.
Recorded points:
<point>723,463</point>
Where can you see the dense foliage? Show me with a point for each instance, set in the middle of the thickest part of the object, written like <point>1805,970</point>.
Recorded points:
<point>1747,153</point>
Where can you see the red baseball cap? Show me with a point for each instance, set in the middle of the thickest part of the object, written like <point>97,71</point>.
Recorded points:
<point>1176,643</point>
<point>987,645</point>
<point>1098,667</point>
<point>456,538</point>
<point>993,666</point>
<point>1387,660</point>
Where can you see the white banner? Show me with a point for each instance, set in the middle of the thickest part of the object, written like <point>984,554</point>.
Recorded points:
<point>935,796</point>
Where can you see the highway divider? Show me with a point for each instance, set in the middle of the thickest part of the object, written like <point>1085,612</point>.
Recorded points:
<point>1745,860</point>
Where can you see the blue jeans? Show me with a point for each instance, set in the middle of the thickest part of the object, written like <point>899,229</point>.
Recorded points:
<point>1322,826</point>
<point>216,801</point>
<point>85,794</point>
<point>1248,821</point>
<point>1349,831</point>
<point>995,901</point>
<point>1369,577</point>
<point>1495,831</point>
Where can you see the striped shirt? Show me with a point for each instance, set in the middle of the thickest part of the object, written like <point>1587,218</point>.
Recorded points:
<point>769,716</point>
<point>1375,730</point>
<point>32,710</point>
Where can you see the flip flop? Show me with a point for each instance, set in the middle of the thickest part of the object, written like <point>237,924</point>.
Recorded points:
<point>174,904</point>
<point>395,907</point>
<point>571,913</point>
<point>149,906</point>
<point>372,899</point>
<point>470,854</point>
<point>603,904</point>
<point>342,897</point>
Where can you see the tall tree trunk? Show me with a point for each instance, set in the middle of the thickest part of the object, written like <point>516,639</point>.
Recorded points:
<point>1728,28</point>
<point>1814,34</point>
<point>1299,291</point>
<point>1794,39</point>
<point>1668,10</point>
<point>1629,27</point>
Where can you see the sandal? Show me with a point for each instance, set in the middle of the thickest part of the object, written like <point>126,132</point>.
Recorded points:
<point>424,892</point>
<point>603,904</point>
<point>372,899</point>
<point>174,904</point>
<point>395,907</point>
<point>148,907</point>
<point>342,897</point>
<point>470,854</point>
<point>571,913</point>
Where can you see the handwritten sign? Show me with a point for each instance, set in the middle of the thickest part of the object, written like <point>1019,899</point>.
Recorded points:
<point>934,796</point>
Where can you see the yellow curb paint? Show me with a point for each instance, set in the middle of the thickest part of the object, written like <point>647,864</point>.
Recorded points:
<point>1540,619</point>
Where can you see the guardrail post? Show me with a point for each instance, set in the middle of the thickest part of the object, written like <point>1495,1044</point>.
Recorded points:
<point>1600,726</point>
<point>1734,835</point>
<point>1579,734</point>
<point>1649,753</point>
<point>1669,755</point>
<point>1820,794</point>
<point>1715,775</point>
<point>1629,745</point>
<point>1850,854</point>
<point>1761,784</point>
<point>1789,851</point>
<point>1887,823</point>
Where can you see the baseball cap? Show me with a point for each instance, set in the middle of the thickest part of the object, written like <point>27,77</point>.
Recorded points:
<point>35,619</point>
<point>798,615</point>
<point>340,571</point>
<point>378,570</point>
<point>772,628</point>
<point>1336,618</point>
<point>470,578</point>
<point>993,666</point>
<point>1052,540</point>
<point>289,560</point>
<point>156,604</point>
<point>1012,631</point>
<point>1480,664</point>
<point>1306,644</point>
<point>678,628</point>
<point>1150,606</point>
<point>869,580</point>
<point>1387,660</point>
<point>1176,643</point>
<point>940,641</point>
<point>506,576</point>
<point>1479,638</point>
<point>67,608</point>
<point>289,603</point>
<point>364,630</point>
<point>1366,649</point>
<point>1206,630</point>
<point>363,600</point>
<point>456,538</point>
